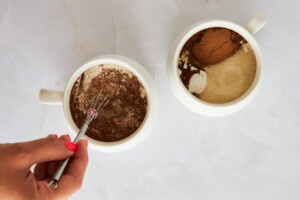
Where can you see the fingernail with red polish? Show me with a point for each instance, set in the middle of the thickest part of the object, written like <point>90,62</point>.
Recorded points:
<point>69,137</point>
<point>70,145</point>
<point>87,144</point>
<point>56,135</point>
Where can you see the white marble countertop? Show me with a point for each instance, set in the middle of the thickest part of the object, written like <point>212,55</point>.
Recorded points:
<point>253,154</point>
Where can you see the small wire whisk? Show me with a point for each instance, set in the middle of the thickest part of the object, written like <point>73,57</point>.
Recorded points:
<point>92,113</point>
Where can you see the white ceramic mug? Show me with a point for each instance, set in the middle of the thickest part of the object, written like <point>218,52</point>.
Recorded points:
<point>63,97</point>
<point>194,103</point>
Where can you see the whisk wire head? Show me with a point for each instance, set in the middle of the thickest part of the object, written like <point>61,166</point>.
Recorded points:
<point>92,112</point>
<point>95,103</point>
<point>103,103</point>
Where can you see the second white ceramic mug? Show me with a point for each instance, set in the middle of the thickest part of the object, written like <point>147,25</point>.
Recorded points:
<point>63,97</point>
<point>194,103</point>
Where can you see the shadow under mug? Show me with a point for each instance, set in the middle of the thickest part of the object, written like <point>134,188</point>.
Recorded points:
<point>63,98</point>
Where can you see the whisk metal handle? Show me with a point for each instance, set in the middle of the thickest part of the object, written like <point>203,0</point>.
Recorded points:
<point>81,133</point>
<point>62,165</point>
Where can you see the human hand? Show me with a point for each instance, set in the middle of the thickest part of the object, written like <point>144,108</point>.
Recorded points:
<point>18,182</point>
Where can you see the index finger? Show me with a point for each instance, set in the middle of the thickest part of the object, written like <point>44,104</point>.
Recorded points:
<point>72,179</point>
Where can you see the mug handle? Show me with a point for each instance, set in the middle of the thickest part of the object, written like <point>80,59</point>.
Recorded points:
<point>51,97</point>
<point>256,23</point>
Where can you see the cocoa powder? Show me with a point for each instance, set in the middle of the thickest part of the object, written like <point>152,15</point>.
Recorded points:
<point>215,45</point>
<point>125,110</point>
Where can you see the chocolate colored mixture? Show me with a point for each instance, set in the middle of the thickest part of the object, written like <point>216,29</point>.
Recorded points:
<point>216,45</point>
<point>125,111</point>
<point>206,47</point>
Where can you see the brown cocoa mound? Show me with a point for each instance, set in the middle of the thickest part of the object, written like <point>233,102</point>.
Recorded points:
<point>216,45</point>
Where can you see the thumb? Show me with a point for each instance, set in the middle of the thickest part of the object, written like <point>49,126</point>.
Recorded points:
<point>43,150</point>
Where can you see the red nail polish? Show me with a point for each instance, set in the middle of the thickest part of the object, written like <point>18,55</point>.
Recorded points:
<point>70,145</point>
<point>87,144</point>
<point>69,137</point>
<point>56,135</point>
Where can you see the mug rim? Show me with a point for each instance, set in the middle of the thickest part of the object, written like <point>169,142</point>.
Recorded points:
<point>181,92</point>
<point>152,102</point>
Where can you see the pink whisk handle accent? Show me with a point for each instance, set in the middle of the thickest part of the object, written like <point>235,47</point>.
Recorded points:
<point>93,112</point>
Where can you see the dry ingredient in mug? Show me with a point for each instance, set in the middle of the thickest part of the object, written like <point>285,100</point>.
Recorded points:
<point>126,109</point>
<point>217,65</point>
